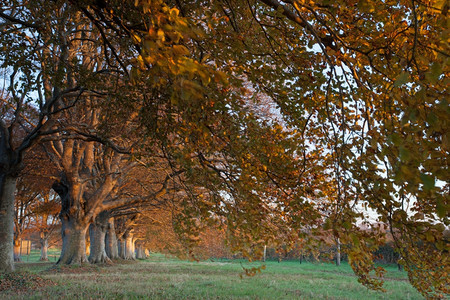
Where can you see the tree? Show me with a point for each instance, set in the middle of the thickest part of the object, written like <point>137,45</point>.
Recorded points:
<point>367,88</point>
<point>360,93</point>
<point>32,66</point>
<point>46,219</point>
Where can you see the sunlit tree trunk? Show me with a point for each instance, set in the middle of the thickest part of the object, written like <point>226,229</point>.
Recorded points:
<point>128,246</point>
<point>17,244</point>
<point>88,245</point>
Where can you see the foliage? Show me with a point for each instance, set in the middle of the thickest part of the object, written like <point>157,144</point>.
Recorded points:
<point>361,93</point>
<point>289,120</point>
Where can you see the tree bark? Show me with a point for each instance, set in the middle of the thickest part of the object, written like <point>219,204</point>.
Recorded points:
<point>122,247</point>
<point>73,229</point>
<point>126,249</point>
<point>129,248</point>
<point>140,253</point>
<point>43,240</point>
<point>111,245</point>
<point>74,242</point>
<point>88,245</point>
<point>17,244</point>
<point>97,233</point>
<point>7,189</point>
<point>338,252</point>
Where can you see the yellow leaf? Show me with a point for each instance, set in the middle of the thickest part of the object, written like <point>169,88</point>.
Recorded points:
<point>136,38</point>
<point>161,35</point>
<point>180,50</point>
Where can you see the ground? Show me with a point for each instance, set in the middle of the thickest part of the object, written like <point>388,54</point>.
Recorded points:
<point>164,278</point>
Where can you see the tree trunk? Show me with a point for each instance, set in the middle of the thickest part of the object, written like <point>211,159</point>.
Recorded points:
<point>17,244</point>
<point>140,253</point>
<point>97,233</point>
<point>111,245</point>
<point>338,252</point>
<point>43,240</point>
<point>129,247</point>
<point>122,248</point>
<point>74,242</point>
<point>264,255</point>
<point>88,245</point>
<point>7,189</point>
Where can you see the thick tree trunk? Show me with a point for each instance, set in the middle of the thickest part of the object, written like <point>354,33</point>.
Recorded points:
<point>111,245</point>
<point>97,233</point>
<point>43,241</point>
<point>73,229</point>
<point>126,246</point>
<point>97,246</point>
<point>7,189</point>
<point>122,248</point>
<point>17,244</point>
<point>140,253</point>
<point>129,247</point>
<point>74,242</point>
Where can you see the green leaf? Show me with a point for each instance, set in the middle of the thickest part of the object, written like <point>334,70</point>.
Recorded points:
<point>435,72</point>
<point>346,225</point>
<point>401,79</point>
<point>428,181</point>
<point>440,209</point>
<point>404,153</point>
<point>432,119</point>
<point>396,139</point>
<point>355,239</point>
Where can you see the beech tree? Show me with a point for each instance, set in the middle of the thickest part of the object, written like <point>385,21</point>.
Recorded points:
<point>35,59</point>
<point>365,87</point>
<point>23,215</point>
<point>362,95</point>
<point>46,219</point>
<point>362,119</point>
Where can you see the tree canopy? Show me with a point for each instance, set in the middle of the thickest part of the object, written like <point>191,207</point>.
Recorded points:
<point>282,120</point>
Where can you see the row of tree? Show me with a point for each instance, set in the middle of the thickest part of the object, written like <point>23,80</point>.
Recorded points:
<point>277,121</point>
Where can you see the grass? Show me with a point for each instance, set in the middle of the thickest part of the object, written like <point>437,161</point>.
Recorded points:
<point>35,255</point>
<point>164,278</point>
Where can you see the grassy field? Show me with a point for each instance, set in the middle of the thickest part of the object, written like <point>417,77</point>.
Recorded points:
<point>163,278</point>
<point>52,253</point>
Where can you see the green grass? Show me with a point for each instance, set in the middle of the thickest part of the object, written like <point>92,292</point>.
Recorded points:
<point>163,278</point>
<point>35,255</point>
